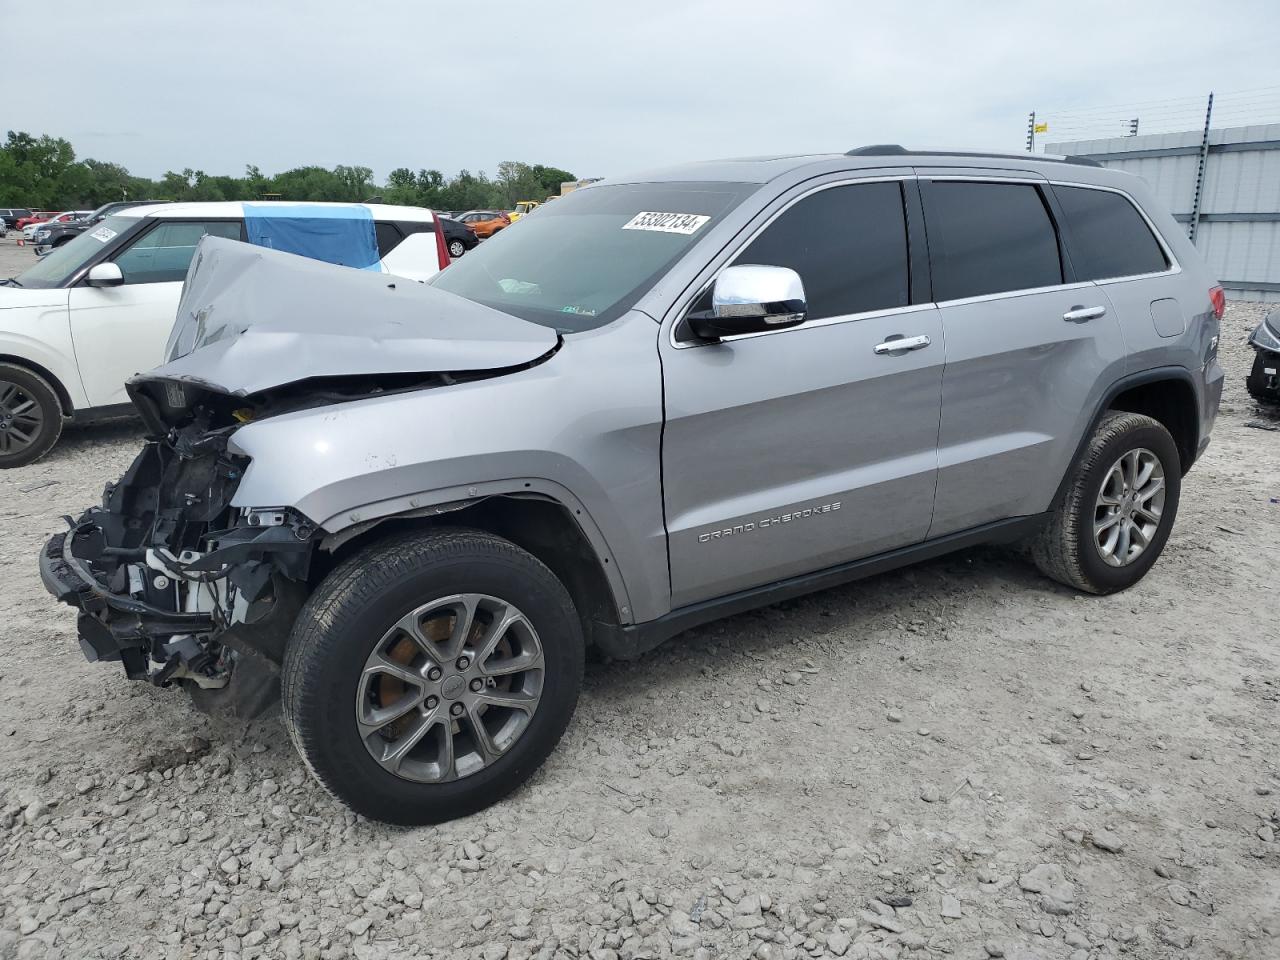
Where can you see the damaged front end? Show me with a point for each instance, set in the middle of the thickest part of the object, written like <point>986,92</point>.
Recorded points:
<point>168,577</point>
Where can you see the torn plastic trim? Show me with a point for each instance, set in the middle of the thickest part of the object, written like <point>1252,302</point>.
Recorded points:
<point>71,581</point>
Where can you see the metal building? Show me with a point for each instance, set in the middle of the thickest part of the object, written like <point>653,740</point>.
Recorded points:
<point>1238,227</point>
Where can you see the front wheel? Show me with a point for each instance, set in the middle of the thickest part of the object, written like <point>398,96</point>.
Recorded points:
<point>1119,508</point>
<point>30,416</point>
<point>456,248</point>
<point>431,674</point>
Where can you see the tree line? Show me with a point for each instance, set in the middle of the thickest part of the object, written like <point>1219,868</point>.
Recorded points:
<point>42,173</point>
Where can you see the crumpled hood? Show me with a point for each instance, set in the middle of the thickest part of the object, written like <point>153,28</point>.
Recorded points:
<point>252,319</point>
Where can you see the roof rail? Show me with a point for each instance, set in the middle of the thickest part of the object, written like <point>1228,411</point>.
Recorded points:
<point>897,150</point>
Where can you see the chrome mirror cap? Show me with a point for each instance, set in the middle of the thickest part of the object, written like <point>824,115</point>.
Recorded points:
<point>750,298</point>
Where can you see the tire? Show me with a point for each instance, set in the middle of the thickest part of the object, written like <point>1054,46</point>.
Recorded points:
<point>457,248</point>
<point>1067,549</point>
<point>29,408</point>
<point>61,240</point>
<point>356,611</point>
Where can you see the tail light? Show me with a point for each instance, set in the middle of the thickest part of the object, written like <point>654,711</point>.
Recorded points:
<point>442,248</point>
<point>1218,297</point>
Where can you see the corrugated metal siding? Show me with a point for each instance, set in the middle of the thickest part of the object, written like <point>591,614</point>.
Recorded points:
<point>1239,181</point>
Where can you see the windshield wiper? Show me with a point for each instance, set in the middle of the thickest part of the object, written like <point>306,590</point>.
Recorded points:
<point>12,282</point>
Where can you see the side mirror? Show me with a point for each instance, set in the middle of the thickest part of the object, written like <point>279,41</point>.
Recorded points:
<point>104,275</point>
<point>749,299</point>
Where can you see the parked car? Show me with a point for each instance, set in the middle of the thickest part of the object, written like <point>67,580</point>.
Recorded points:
<point>52,234</point>
<point>1263,381</point>
<point>485,223</point>
<point>9,217</point>
<point>81,321</point>
<point>66,216</point>
<point>659,402</point>
<point>457,238</point>
<point>523,207</point>
<point>37,216</point>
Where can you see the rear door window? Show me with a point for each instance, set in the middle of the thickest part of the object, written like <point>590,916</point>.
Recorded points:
<point>162,254</point>
<point>847,243</point>
<point>1109,238</point>
<point>987,238</point>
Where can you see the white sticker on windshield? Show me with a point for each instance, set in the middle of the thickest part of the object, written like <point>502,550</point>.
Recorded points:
<point>682,223</point>
<point>103,234</point>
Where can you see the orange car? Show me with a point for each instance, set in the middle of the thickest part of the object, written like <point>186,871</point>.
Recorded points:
<point>484,223</point>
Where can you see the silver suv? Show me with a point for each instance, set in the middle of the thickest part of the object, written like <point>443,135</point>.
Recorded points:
<point>411,509</point>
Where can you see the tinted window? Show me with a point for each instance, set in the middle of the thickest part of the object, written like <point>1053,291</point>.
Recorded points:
<point>163,254</point>
<point>389,237</point>
<point>989,238</point>
<point>1109,237</point>
<point>849,245</point>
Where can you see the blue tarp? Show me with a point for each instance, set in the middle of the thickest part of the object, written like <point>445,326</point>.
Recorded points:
<point>341,235</point>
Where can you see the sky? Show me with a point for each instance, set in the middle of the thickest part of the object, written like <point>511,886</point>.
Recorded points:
<point>611,86</point>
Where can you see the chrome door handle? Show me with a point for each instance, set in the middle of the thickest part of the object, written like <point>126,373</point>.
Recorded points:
<point>1079,314</point>
<point>901,344</point>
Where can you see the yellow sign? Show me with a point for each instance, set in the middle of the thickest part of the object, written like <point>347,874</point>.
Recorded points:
<point>1041,128</point>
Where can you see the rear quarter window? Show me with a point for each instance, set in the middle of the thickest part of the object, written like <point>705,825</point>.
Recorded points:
<point>1109,237</point>
<point>388,236</point>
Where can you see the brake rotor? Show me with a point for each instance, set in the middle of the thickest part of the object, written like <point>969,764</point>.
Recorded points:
<point>389,689</point>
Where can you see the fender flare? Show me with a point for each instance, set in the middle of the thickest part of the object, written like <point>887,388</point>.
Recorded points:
<point>1127,382</point>
<point>445,500</point>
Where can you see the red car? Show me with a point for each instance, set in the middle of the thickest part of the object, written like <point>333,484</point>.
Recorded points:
<point>39,216</point>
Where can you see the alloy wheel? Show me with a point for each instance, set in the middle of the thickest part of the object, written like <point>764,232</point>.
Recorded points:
<point>1129,507</point>
<point>450,688</point>
<point>21,419</point>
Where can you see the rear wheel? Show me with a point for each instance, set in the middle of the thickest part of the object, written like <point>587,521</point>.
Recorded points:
<point>430,675</point>
<point>1114,521</point>
<point>30,416</point>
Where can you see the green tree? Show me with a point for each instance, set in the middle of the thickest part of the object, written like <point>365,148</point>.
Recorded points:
<point>35,169</point>
<point>43,172</point>
<point>550,178</point>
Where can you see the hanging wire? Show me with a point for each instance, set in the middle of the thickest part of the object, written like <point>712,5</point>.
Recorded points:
<point>1245,107</point>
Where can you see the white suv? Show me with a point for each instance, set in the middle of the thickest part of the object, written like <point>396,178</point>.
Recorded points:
<point>95,311</point>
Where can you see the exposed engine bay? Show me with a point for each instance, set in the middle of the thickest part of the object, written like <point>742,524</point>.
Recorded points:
<point>170,579</point>
<point>169,575</point>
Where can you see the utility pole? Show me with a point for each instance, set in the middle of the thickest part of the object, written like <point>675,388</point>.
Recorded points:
<point>1133,127</point>
<point>1200,172</point>
<point>1031,132</point>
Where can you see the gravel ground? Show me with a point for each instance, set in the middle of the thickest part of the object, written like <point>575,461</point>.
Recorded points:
<point>960,759</point>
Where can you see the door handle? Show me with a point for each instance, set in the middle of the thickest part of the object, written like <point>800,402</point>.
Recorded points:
<point>900,344</point>
<point>1079,314</point>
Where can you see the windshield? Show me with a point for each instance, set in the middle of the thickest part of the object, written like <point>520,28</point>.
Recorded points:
<point>585,259</point>
<point>63,262</point>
